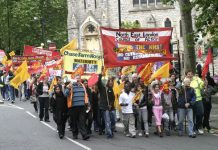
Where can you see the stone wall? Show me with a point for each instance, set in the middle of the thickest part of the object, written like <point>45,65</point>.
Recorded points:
<point>105,13</point>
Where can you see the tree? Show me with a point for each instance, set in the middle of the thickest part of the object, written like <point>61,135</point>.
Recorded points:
<point>188,33</point>
<point>207,21</point>
<point>18,26</point>
<point>130,25</point>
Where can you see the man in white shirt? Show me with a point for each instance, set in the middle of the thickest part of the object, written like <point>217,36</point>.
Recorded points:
<point>125,101</point>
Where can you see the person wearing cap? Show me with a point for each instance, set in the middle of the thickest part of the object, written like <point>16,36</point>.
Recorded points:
<point>77,102</point>
<point>186,100</point>
<point>198,109</point>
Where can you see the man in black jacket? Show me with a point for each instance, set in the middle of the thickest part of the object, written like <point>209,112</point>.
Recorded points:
<point>106,107</point>
<point>185,103</point>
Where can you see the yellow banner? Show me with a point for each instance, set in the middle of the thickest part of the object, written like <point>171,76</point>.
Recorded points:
<point>91,62</point>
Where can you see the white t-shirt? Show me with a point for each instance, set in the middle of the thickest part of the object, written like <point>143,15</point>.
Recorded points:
<point>127,99</point>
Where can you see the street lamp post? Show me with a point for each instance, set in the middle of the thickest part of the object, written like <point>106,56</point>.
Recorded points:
<point>43,23</point>
<point>8,24</point>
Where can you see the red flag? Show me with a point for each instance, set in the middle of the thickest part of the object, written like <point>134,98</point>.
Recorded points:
<point>199,53</point>
<point>140,68</point>
<point>93,80</point>
<point>206,64</point>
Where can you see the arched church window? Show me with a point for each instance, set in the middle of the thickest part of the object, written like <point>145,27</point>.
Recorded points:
<point>167,23</point>
<point>91,28</point>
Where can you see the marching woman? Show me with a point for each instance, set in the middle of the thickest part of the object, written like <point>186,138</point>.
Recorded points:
<point>157,107</point>
<point>33,93</point>
<point>42,92</point>
<point>59,107</point>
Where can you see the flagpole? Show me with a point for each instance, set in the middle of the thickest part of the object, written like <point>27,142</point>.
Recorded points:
<point>212,60</point>
<point>119,14</point>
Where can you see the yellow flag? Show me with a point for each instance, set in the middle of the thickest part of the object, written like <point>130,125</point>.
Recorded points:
<point>162,72</point>
<point>128,69</point>
<point>9,62</point>
<point>53,83</point>
<point>12,53</point>
<point>146,73</point>
<point>22,76</point>
<point>117,92</point>
<point>21,67</point>
<point>70,46</point>
<point>4,60</point>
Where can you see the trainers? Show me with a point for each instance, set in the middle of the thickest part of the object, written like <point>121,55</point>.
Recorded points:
<point>210,131</point>
<point>161,134</point>
<point>180,133</point>
<point>167,133</point>
<point>86,137</point>
<point>140,134</point>
<point>75,137</point>
<point>146,134</point>
<point>128,135</point>
<point>200,131</point>
<point>61,136</point>
<point>192,136</point>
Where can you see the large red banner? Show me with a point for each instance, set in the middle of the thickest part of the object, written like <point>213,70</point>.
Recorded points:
<point>31,51</point>
<point>17,60</point>
<point>124,47</point>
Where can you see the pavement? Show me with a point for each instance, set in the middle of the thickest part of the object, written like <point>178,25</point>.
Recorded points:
<point>21,129</point>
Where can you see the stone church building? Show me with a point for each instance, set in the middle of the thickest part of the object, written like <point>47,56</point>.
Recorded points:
<point>86,16</point>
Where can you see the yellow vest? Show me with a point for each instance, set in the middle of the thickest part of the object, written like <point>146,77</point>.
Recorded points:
<point>197,84</point>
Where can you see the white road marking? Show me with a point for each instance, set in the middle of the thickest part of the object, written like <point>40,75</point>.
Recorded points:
<point>48,125</point>
<point>31,114</point>
<point>79,144</point>
<point>71,140</point>
<point>16,106</point>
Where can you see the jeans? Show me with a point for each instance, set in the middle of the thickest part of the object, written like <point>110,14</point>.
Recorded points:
<point>11,92</point>
<point>143,117</point>
<point>3,92</point>
<point>182,112</point>
<point>113,120</point>
<point>109,118</point>
<point>169,121</point>
<point>198,114</point>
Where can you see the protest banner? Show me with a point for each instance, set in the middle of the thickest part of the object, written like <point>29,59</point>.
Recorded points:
<point>17,60</point>
<point>124,47</point>
<point>91,62</point>
<point>31,51</point>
